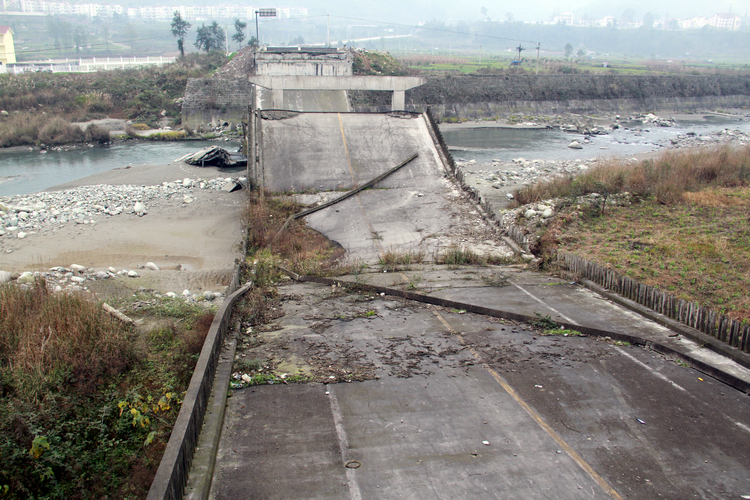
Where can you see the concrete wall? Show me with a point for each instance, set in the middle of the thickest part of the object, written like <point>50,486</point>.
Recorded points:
<point>303,64</point>
<point>470,96</point>
<point>213,101</point>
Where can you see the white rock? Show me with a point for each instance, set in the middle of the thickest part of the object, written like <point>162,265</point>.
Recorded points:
<point>529,213</point>
<point>171,295</point>
<point>548,213</point>
<point>5,276</point>
<point>26,277</point>
<point>187,182</point>
<point>152,266</point>
<point>101,275</point>
<point>188,199</point>
<point>77,279</point>
<point>140,208</point>
<point>58,289</point>
<point>112,270</point>
<point>541,207</point>
<point>209,295</point>
<point>133,274</point>
<point>575,145</point>
<point>509,196</point>
<point>186,293</point>
<point>77,268</point>
<point>21,235</point>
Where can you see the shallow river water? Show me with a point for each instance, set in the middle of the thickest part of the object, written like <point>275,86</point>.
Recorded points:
<point>493,143</point>
<point>23,171</point>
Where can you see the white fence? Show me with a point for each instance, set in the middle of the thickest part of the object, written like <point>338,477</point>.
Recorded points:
<point>89,65</point>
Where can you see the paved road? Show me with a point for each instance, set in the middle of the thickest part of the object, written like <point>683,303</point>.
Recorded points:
<point>461,405</point>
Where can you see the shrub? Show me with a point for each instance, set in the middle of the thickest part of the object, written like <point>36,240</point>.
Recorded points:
<point>97,133</point>
<point>60,131</point>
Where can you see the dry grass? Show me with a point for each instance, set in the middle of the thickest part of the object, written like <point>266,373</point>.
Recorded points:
<point>455,256</point>
<point>297,247</point>
<point>392,260</point>
<point>46,336</point>
<point>665,179</point>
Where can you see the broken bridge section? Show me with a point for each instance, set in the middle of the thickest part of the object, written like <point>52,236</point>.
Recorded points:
<point>332,151</point>
<point>415,209</point>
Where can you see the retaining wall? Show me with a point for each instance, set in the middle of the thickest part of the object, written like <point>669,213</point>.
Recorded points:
<point>476,96</point>
<point>215,101</point>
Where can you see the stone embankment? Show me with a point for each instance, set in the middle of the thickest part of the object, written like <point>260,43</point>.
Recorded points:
<point>482,96</point>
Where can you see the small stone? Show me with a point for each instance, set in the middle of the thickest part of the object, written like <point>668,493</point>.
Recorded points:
<point>575,145</point>
<point>101,275</point>
<point>209,295</point>
<point>77,279</point>
<point>152,266</point>
<point>112,270</point>
<point>186,293</point>
<point>77,268</point>
<point>188,199</point>
<point>171,295</point>
<point>133,274</point>
<point>548,213</point>
<point>529,213</point>
<point>21,235</point>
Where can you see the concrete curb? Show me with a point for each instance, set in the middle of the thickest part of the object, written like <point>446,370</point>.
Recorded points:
<point>716,345</point>
<point>699,365</point>
<point>202,471</point>
<point>171,477</point>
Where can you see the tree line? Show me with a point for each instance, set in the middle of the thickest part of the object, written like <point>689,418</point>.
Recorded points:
<point>208,38</point>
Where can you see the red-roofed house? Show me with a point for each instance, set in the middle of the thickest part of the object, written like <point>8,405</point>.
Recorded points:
<point>7,50</point>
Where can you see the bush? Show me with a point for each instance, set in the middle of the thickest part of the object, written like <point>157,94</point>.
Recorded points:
<point>97,133</point>
<point>59,131</point>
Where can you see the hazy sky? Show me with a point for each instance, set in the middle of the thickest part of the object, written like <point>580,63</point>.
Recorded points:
<point>528,10</point>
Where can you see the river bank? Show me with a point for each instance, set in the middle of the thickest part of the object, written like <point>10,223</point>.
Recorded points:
<point>175,226</point>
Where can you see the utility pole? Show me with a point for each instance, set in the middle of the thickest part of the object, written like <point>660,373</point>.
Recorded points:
<point>480,55</point>
<point>538,46</point>
<point>328,30</point>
